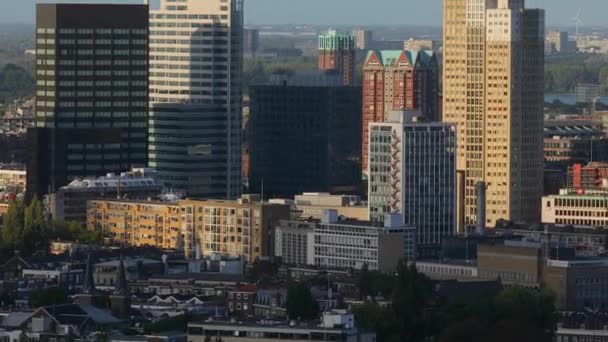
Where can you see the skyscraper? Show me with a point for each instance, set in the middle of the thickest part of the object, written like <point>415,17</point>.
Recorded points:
<point>394,80</point>
<point>493,91</point>
<point>91,93</point>
<point>304,136</point>
<point>413,173</point>
<point>196,60</point>
<point>337,53</point>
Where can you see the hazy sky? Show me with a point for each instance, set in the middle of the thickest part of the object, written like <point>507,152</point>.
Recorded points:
<point>356,12</point>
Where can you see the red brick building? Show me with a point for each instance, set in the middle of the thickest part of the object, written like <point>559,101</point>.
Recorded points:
<point>395,80</point>
<point>337,53</point>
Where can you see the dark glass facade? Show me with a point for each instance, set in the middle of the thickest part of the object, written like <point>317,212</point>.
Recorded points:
<point>91,74</point>
<point>304,139</point>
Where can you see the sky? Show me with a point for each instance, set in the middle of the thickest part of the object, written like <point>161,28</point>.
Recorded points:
<point>357,12</point>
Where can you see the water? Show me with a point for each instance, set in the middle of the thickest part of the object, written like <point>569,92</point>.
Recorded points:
<point>569,99</point>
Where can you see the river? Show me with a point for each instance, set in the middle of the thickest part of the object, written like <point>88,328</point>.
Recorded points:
<point>568,98</point>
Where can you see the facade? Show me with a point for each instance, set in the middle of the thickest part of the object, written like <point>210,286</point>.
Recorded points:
<point>445,271</point>
<point>396,80</point>
<point>593,176</point>
<point>337,53</point>
<point>362,38</point>
<point>195,95</point>
<point>234,228</point>
<point>303,136</point>
<point>292,240</point>
<point>91,93</point>
<point>587,92</point>
<point>347,244</point>
<point>578,284</point>
<point>413,173</point>
<point>513,263</point>
<point>493,83</point>
<point>70,201</point>
<point>241,300</point>
<point>577,208</point>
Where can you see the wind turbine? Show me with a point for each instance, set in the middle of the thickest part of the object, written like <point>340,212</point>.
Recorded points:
<point>578,21</point>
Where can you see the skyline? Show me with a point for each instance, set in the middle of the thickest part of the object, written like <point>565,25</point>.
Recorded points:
<point>321,12</point>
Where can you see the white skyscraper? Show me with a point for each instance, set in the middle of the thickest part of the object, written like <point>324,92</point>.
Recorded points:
<point>195,96</point>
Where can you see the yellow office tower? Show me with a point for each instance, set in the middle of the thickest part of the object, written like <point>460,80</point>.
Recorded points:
<point>493,90</point>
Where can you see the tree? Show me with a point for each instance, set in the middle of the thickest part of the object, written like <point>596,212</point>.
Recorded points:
<point>530,310</point>
<point>300,303</point>
<point>366,282</point>
<point>178,323</point>
<point>411,295</point>
<point>48,296</point>
<point>382,320</point>
<point>35,238</point>
<point>12,233</point>
<point>33,217</point>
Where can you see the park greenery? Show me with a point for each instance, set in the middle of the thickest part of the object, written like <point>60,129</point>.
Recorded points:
<point>416,314</point>
<point>15,82</point>
<point>563,72</point>
<point>27,231</point>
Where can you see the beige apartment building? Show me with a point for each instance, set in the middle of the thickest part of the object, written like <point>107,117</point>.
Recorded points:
<point>493,90</point>
<point>236,228</point>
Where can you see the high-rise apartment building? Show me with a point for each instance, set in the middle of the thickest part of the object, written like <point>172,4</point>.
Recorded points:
<point>337,53</point>
<point>395,80</point>
<point>304,136</point>
<point>363,38</point>
<point>493,90</point>
<point>195,94</point>
<point>91,92</point>
<point>412,167</point>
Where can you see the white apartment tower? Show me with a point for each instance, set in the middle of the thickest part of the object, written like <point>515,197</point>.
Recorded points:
<point>493,91</point>
<point>195,96</point>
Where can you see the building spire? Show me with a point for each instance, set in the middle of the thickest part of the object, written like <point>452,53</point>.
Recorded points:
<point>122,287</point>
<point>89,283</point>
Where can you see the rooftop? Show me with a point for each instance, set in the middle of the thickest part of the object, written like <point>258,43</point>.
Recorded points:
<point>135,178</point>
<point>389,58</point>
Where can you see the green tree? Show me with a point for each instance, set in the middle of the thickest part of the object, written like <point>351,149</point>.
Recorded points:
<point>33,216</point>
<point>12,233</point>
<point>300,303</point>
<point>49,296</point>
<point>382,320</point>
<point>412,293</point>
